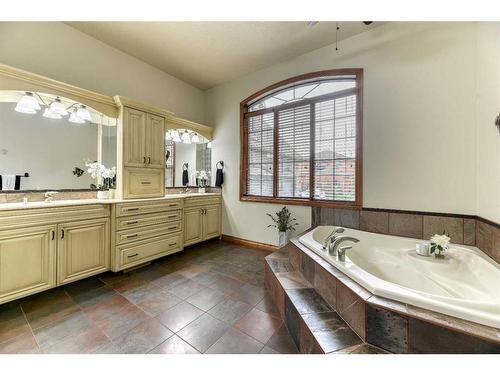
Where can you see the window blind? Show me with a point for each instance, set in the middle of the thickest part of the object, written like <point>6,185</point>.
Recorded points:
<point>260,140</point>
<point>335,149</point>
<point>294,152</point>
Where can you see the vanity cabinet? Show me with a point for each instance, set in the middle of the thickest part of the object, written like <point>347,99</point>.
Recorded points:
<point>82,249</point>
<point>27,261</point>
<point>42,248</point>
<point>146,230</point>
<point>143,154</point>
<point>202,219</point>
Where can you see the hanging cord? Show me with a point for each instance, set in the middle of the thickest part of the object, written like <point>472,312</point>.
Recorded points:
<point>337,36</point>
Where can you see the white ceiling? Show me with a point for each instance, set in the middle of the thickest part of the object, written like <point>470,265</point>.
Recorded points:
<point>206,54</point>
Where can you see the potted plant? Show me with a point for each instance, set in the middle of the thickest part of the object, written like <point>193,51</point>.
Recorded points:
<point>285,223</point>
<point>104,177</point>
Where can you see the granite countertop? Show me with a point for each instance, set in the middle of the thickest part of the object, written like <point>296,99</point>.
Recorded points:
<point>79,202</point>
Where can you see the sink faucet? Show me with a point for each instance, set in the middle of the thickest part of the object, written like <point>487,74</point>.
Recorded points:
<point>331,237</point>
<point>187,190</point>
<point>49,196</point>
<point>340,251</point>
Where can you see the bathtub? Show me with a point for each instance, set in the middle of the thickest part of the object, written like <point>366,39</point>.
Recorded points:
<point>466,284</point>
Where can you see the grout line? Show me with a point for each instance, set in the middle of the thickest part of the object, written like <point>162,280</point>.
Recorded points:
<point>31,329</point>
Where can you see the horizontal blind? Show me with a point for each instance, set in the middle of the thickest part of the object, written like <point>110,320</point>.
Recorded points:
<point>335,149</point>
<point>260,141</point>
<point>169,173</point>
<point>294,152</point>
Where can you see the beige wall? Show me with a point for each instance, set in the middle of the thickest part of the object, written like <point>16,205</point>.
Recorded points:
<point>419,121</point>
<point>60,52</point>
<point>488,107</point>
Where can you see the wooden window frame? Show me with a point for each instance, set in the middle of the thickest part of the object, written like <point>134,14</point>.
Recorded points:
<point>244,114</point>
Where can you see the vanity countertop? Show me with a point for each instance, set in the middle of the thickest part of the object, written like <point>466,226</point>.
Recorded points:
<point>79,202</point>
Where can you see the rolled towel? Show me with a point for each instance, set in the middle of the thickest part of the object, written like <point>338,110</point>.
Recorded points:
<point>8,182</point>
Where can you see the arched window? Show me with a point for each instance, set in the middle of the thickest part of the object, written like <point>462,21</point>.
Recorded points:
<point>301,141</point>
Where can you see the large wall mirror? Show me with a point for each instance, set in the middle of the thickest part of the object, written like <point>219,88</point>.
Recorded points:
<point>53,143</point>
<point>189,159</point>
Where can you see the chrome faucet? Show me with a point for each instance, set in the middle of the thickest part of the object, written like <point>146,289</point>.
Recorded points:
<point>331,237</point>
<point>340,251</point>
<point>49,196</point>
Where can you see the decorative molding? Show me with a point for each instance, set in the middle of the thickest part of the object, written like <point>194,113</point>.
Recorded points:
<point>123,101</point>
<point>20,80</point>
<point>174,122</point>
<point>249,243</point>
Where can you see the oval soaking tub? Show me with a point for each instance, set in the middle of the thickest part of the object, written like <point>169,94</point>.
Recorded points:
<point>465,284</point>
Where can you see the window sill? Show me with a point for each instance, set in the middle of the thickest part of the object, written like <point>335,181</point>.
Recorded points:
<point>301,202</point>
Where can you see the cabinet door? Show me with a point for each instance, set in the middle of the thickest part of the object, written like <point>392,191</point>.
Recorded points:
<point>27,261</point>
<point>193,226</point>
<point>82,249</point>
<point>155,141</point>
<point>134,137</point>
<point>211,222</point>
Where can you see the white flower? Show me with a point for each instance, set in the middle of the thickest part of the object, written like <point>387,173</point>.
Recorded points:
<point>441,240</point>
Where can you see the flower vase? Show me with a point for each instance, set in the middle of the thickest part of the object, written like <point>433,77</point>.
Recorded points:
<point>283,239</point>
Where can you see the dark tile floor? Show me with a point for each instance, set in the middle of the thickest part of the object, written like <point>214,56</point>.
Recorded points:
<point>209,298</point>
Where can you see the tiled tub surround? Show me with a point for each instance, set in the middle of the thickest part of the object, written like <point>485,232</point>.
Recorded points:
<point>296,276</point>
<point>463,229</point>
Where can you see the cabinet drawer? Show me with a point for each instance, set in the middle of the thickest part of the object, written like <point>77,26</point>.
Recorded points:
<point>129,222</point>
<point>134,208</point>
<point>143,182</point>
<point>144,251</point>
<point>133,235</point>
<point>202,201</point>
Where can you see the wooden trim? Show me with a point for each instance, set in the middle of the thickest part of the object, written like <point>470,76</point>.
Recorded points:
<point>123,101</point>
<point>249,243</point>
<point>357,204</point>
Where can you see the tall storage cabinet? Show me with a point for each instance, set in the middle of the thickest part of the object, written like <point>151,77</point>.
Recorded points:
<point>142,167</point>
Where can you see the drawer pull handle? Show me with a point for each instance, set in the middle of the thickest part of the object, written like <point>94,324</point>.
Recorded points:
<point>133,255</point>
<point>172,244</point>
<point>132,235</point>
<point>149,159</point>
<point>172,205</point>
<point>146,182</point>
<point>171,216</point>
<point>131,222</point>
<point>170,228</point>
<point>132,209</point>
<point>144,158</point>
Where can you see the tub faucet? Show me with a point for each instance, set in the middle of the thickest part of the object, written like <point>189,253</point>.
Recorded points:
<point>340,251</point>
<point>331,237</point>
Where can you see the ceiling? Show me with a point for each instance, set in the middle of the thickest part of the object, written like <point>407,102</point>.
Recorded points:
<point>206,54</point>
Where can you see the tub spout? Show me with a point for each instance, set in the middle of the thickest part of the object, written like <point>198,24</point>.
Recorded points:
<point>340,251</point>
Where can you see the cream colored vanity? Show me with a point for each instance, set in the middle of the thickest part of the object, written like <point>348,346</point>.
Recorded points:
<point>47,244</point>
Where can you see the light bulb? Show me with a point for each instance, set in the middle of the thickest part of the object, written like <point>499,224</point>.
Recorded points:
<point>27,104</point>
<point>168,137</point>
<point>58,108</point>
<point>49,114</point>
<point>185,137</point>
<point>209,145</point>
<point>84,113</point>
<point>195,138</point>
<point>74,118</point>
<point>174,133</point>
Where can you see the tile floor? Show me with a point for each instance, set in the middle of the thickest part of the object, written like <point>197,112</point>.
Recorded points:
<point>209,298</point>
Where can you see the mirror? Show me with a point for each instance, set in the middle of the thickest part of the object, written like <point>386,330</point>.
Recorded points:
<point>193,156</point>
<point>41,149</point>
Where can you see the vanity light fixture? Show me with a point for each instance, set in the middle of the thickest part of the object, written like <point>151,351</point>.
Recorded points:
<point>57,107</point>
<point>27,104</point>
<point>195,138</point>
<point>49,114</point>
<point>168,136</point>
<point>185,137</point>
<point>83,113</point>
<point>75,118</point>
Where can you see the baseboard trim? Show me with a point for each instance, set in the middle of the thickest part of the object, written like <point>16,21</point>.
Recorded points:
<point>248,243</point>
